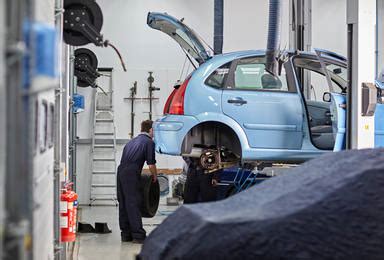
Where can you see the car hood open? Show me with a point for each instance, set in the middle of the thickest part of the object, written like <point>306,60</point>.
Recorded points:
<point>181,33</point>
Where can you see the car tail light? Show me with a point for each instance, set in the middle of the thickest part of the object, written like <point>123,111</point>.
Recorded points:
<point>176,106</point>
<point>168,103</point>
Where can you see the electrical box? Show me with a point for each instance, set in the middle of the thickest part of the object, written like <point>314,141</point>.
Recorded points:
<point>369,99</point>
<point>78,103</point>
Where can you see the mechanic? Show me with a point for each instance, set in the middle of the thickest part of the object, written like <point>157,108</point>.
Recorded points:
<point>199,186</point>
<point>137,151</point>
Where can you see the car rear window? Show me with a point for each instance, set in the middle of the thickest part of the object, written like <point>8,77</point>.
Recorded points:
<point>218,77</point>
<point>250,74</point>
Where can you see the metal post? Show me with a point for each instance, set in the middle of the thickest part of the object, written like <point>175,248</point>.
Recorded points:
<point>300,36</point>
<point>151,89</point>
<point>18,150</point>
<point>67,81</point>
<point>133,94</point>
<point>2,126</point>
<point>379,37</point>
<point>361,19</point>
<point>58,122</point>
<point>72,122</point>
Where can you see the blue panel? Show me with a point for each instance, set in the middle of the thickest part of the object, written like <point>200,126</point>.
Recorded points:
<point>271,120</point>
<point>379,125</point>
<point>45,51</point>
<point>271,127</point>
<point>170,141</point>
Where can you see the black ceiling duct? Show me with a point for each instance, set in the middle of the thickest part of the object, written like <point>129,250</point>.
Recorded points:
<point>218,27</point>
<point>83,20</point>
<point>86,68</point>
<point>273,36</point>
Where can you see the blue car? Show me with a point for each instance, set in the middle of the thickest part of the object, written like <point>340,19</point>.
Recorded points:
<point>231,110</point>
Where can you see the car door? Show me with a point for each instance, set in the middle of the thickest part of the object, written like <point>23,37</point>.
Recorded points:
<point>325,101</point>
<point>336,78</point>
<point>269,111</point>
<point>379,114</point>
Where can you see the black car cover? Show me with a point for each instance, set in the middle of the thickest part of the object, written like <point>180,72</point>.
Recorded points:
<point>329,208</point>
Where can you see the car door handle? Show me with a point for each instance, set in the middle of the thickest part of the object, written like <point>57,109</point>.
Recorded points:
<point>237,101</point>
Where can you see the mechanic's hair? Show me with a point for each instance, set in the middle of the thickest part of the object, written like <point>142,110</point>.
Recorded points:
<point>146,126</point>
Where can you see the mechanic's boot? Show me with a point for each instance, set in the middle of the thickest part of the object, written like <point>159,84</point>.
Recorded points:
<point>138,241</point>
<point>126,237</point>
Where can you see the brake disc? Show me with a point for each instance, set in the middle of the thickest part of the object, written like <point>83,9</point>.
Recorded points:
<point>210,160</point>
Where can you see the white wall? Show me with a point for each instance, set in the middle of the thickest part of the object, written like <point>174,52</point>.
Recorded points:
<point>329,25</point>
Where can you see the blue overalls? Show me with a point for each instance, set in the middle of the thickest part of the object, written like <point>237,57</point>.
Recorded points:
<point>135,153</point>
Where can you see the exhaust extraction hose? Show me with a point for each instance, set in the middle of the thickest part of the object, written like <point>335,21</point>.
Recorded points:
<point>273,36</point>
<point>218,27</point>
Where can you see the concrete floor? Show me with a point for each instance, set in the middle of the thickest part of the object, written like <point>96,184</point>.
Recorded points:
<point>109,246</point>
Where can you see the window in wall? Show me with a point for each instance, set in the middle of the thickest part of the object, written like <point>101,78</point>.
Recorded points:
<point>43,124</point>
<point>50,126</point>
<point>36,127</point>
<point>250,74</point>
<point>218,77</point>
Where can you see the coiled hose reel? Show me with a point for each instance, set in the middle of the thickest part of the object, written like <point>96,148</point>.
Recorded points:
<point>83,20</point>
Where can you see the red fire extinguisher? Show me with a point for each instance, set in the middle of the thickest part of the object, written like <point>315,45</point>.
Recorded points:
<point>68,211</point>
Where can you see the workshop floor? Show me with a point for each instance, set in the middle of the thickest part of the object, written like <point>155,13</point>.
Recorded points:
<point>109,246</point>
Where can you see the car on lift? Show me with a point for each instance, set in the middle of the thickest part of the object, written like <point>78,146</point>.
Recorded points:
<point>231,110</point>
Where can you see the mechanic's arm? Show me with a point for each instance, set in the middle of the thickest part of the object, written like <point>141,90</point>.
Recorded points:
<point>153,170</point>
<point>151,160</point>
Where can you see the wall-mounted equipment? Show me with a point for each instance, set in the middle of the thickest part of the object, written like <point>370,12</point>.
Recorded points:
<point>133,94</point>
<point>83,20</point>
<point>86,68</point>
<point>78,103</point>
<point>151,89</point>
<point>369,99</point>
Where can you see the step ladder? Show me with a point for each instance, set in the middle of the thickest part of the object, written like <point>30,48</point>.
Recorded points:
<point>103,175</point>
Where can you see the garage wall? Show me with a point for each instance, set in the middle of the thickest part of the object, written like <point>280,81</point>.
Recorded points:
<point>43,156</point>
<point>329,25</point>
<point>329,31</point>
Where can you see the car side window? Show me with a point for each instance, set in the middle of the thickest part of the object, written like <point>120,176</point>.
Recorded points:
<point>250,74</point>
<point>316,80</point>
<point>218,77</point>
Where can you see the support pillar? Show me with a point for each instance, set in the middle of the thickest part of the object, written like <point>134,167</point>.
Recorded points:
<point>300,35</point>
<point>361,20</point>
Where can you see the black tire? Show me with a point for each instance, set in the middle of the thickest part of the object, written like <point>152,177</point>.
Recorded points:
<point>150,196</point>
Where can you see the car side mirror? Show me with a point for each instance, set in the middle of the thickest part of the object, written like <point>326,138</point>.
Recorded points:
<point>337,71</point>
<point>327,97</point>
